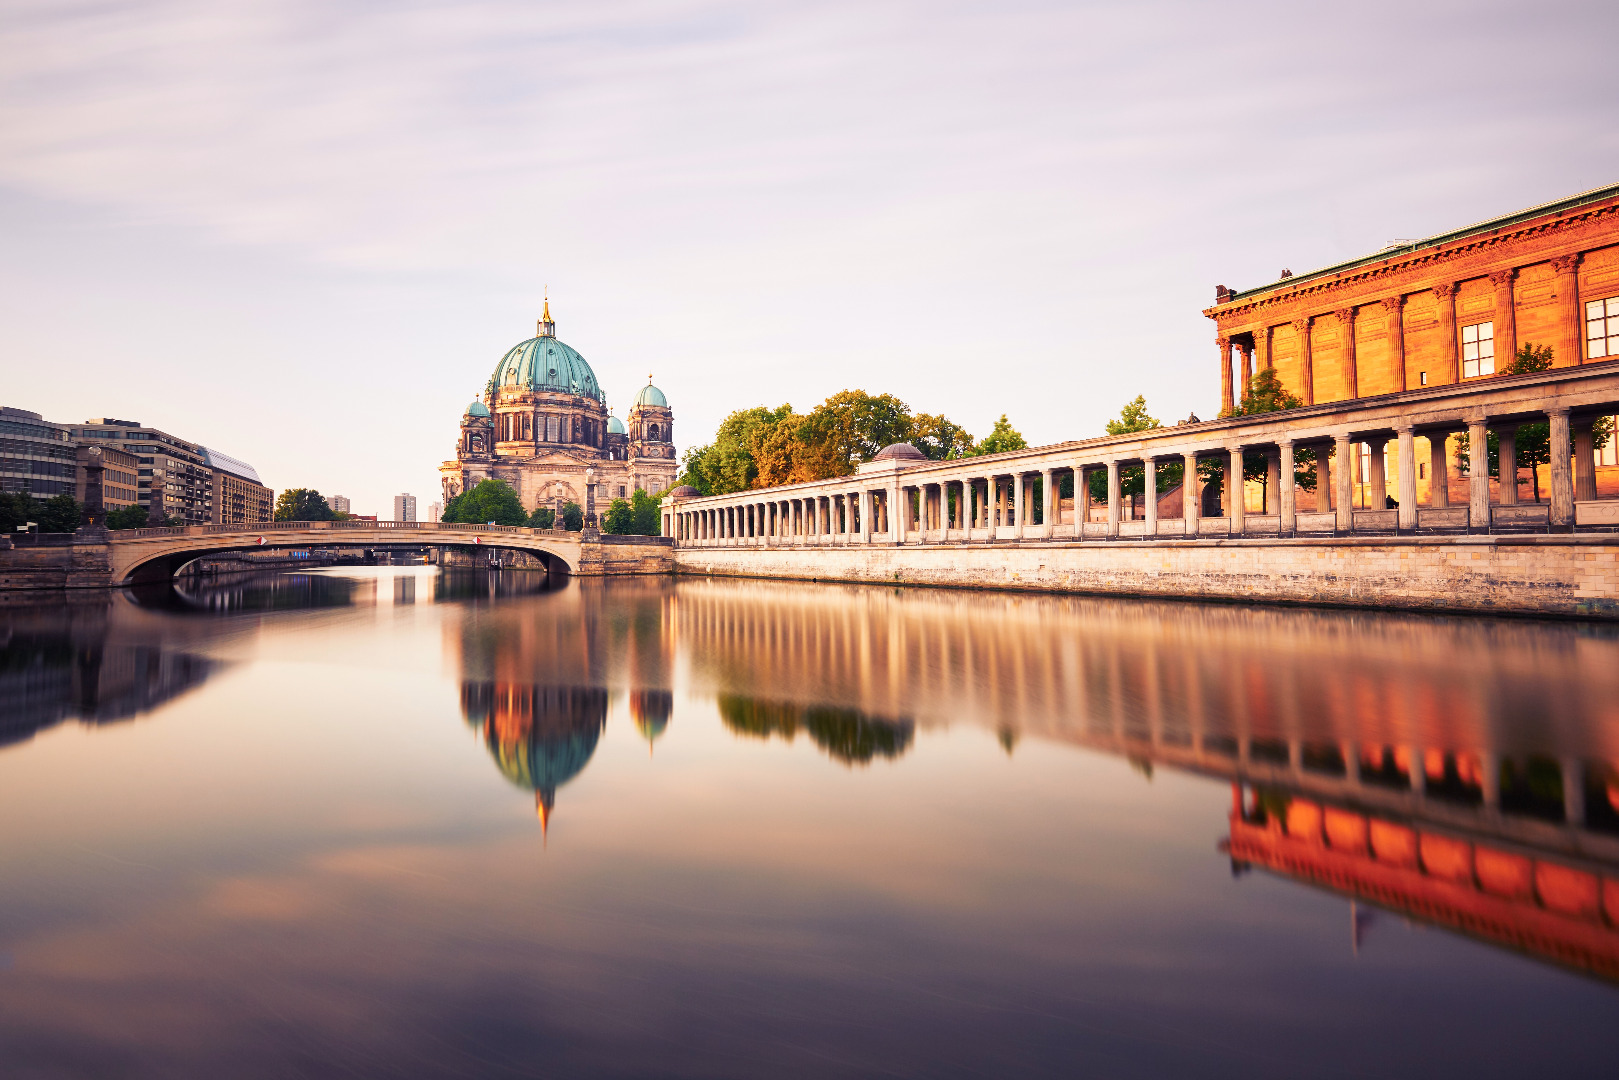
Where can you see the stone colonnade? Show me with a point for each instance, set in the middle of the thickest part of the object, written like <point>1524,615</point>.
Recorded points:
<point>1014,497</point>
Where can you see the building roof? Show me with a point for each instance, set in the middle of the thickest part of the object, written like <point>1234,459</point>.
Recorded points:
<point>1404,248</point>
<point>544,363</point>
<point>227,464</point>
<point>477,408</point>
<point>651,395</point>
<point>615,426</point>
<point>902,451</point>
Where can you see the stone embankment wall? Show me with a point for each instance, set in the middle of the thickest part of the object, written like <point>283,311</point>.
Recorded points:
<point>610,554</point>
<point>53,562</point>
<point>1568,575</point>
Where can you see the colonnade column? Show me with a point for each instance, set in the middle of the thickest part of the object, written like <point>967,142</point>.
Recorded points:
<point>1273,479</point>
<point>1301,329</point>
<point>1287,520</point>
<point>1394,306</point>
<point>1323,480</point>
<point>1585,476</point>
<point>1017,505</point>
<point>1438,469</point>
<point>1478,474</point>
<point>1408,476</point>
<point>1377,483</point>
<point>864,497</point>
<point>1224,345</point>
<point>1569,340</point>
<point>899,511</point>
<point>1506,323</point>
<point>1343,482</point>
<point>1236,492</point>
<point>1562,510</point>
<point>1189,507</point>
<point>1507,462</point>
<point>1082,500</point>
<point>1048,500</point>
<point>1149,488</point>
<point>1113,491</point>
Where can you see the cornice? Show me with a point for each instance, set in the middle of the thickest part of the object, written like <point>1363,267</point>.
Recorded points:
<point>1460,260</point>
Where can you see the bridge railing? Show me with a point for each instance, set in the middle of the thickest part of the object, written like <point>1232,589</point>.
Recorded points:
<point>299,526</point>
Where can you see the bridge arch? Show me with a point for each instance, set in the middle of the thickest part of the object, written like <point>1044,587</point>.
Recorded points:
<point>141,556</point>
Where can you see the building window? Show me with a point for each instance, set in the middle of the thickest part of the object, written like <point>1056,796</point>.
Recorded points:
<point>1609,454</point>
<point>621,491</point>
<point>1478,350</point>
<point>551,429</point>
<point>1602,327</point>
<point>1422,378</point>
<point>652,432</point>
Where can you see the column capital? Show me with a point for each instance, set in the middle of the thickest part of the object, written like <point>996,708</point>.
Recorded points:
<point>1445,290</point>
<point>1345,315</point>
<point>1556,410</point>
<point>1503,277</point>
<point>1223,342</point>
<point>1236,448</point>
<point>1392,304</point>
<point>1403,426</point>
<point>1301,325</point>
<point>1566,264</point>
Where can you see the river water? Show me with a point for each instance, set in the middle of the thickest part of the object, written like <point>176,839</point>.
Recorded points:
<point>387,822</point>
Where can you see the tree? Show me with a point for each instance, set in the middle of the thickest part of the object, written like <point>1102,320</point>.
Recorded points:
<point>15,511</point>
<point>1132,418</point>
<point>490,501</point>
<point>940,439</point>
<point>543,517</point>
<point>619,519</point>
<point>302,504</point>
<point>1529,357</point>
<point>1001,438</point>
<point>58,514</point>
<point>573,517</point>
<point>860,424</point>
<point>127,517</point>
<point>1265,393</point>
<point>648,514</point>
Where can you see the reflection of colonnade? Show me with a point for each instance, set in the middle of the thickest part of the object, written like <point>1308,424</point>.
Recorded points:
<point>1463,772</point>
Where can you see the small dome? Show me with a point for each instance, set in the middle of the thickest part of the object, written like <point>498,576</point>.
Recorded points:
<point>615,426</point>
<point>684,491</point>
<point>651,395</point>
<point>902,451</point>
<point>477,408</point>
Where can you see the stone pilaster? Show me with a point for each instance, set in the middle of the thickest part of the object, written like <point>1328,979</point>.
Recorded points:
<point>1449,359</point>
<point>1346,333</point>
<point>1301,328</point>
<point>1394,308</point>
<point>1568,346</point>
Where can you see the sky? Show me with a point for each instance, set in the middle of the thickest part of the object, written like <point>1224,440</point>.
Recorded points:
<point>303,233</point>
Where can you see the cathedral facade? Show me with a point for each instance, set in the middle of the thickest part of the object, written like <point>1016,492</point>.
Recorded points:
<point>542,426</point>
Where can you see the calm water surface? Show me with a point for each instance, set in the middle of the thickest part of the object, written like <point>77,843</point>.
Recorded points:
<point>383,822</point>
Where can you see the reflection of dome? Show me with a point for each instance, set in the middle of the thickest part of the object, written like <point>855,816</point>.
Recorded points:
<point>477,408</point>
<point>651,395</point>
<point>684,491</point>
<point>902,451</point>
<point>651,709</point>
<point>540,736</point>
<point>615,426</point>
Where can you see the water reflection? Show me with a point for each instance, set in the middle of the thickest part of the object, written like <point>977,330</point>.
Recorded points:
<point>85,659</point>
<point>1461,772</point>
<point>540,736</point>
<point>248,592</point>
<point>845,735</point>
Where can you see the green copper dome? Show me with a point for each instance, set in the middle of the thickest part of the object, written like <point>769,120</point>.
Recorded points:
<point>477,408</point>
<point>651,395</point>
<point>544,363</point>
<point>615,426</point>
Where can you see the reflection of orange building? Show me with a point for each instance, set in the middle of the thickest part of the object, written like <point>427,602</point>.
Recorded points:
<point>1561,909</point>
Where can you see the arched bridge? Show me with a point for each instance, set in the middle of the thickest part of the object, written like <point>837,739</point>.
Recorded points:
<point>145,555</point>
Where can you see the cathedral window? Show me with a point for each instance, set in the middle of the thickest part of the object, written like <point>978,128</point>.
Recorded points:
<point>551,428</point>
<point>653,433</point>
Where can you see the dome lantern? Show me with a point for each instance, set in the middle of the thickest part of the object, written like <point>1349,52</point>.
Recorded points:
<point>545,327</point>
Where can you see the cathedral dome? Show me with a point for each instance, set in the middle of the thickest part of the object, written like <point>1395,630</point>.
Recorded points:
<point>615,426</point>
<point>651,395</point>
<point>477,408</point>
<point>544,363</point>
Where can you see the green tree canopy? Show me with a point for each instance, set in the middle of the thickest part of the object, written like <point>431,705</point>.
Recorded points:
<point>490,501</point>
<point>573,517</point>
<point>1133,417</point>
<point>619,519</point>
<point>58,514</point>
<point>127,517</point>
<point>543,517</point>
<point>1265,393</point>
<point>1001,438</point>
<point>648,514</point>
<point>302,504</point>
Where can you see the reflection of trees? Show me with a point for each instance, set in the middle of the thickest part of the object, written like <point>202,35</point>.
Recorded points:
<point>846,735</point>
<point>540,736</point>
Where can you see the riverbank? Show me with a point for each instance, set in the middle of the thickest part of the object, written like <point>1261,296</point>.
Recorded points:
<point>1564,576</point>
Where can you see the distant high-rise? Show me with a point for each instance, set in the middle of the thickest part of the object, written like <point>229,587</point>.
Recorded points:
<point>404,507</point>
<point>338,503</point>
<point>434,511</point>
